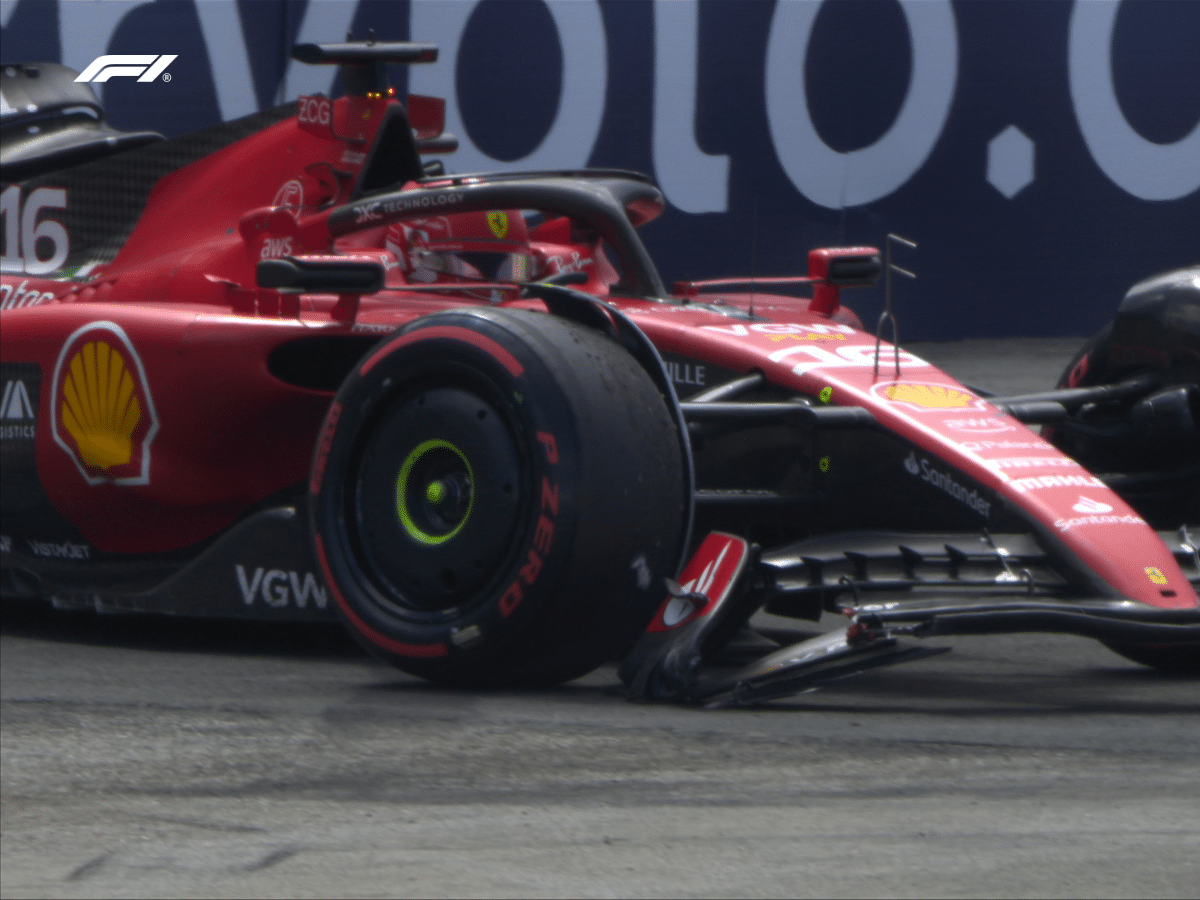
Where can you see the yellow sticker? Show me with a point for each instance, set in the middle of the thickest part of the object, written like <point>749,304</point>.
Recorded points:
<point>807,336</point>
<point>826,394</point>
<point>498,221</point>
<point>929,396</point>
<point>1156,575</point>
<point>823,465</point>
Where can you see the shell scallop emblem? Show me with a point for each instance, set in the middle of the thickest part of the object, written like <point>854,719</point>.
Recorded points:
<point>103,414</point>
<point>929,396</point>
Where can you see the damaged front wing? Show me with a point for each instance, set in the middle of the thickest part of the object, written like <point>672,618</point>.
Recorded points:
<point>725,583</point>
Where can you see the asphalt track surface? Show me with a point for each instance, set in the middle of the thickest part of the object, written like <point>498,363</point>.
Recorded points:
<point>159,758</point>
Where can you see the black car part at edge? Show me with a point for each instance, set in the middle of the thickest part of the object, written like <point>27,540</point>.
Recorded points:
<point>1145,445</point>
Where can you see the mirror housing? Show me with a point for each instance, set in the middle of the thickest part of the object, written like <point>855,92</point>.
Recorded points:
<point>833,268</point>
<point>321,275</point>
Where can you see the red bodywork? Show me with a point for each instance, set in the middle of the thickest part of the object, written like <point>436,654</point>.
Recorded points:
<point>217,433</point>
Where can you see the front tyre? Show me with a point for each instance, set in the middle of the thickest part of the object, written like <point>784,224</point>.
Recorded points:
<point>496,498</point>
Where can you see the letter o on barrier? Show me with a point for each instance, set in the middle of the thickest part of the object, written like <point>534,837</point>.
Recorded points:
<point>569,142</point>
<point>837,180</point>
<point>1148,170</point>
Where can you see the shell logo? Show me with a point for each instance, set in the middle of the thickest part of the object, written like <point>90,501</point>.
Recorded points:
<point>929,396</point>
<point>498,222</point>
<point>101,410</point>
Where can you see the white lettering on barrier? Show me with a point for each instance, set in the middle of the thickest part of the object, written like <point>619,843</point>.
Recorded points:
<point>1146,169</point>
<point>323,21</point>
<point>692,180</point>
<point>86,29</point>
<point>569,142</point>
<point>838,180</point>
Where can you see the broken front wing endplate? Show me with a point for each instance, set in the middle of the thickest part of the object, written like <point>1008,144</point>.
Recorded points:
<point>725,583</point>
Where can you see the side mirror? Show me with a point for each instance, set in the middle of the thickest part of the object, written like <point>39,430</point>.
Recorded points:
<point>321,275</point>
<point>833,268</point>
<point>845,266</point>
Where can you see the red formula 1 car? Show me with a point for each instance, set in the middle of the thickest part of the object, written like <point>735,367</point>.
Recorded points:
<point>285,368</point>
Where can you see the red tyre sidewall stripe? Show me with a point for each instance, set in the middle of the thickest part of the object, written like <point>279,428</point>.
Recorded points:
<point>453,332</point>
<point>324,445</point>
<point>423,651</point>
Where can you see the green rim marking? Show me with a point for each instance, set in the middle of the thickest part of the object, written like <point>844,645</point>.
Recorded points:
<point>432,488</point>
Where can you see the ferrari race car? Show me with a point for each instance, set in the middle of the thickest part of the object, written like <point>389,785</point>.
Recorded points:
<point>286,368</point>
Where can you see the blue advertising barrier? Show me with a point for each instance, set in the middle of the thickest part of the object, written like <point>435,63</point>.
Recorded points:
<point>1043,154</point>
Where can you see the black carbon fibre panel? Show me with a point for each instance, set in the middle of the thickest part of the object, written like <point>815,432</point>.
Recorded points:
<point>105,198</point>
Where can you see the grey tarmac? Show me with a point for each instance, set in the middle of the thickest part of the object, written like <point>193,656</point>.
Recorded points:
<point>161,758</point>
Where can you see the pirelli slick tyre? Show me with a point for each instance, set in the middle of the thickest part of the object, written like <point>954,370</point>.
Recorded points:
<point>496,498</point>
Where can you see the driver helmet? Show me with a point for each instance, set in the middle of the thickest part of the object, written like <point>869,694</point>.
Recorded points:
<point>463,248</point>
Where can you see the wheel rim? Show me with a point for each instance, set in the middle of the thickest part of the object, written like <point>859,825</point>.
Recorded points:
<point>438,501</point>
<point>434,493</point>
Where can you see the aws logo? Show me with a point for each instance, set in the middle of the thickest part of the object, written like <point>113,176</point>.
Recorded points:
<point>101,410</point>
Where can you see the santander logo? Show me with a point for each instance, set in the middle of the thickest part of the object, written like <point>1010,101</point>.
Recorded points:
<point>1088,506</point>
